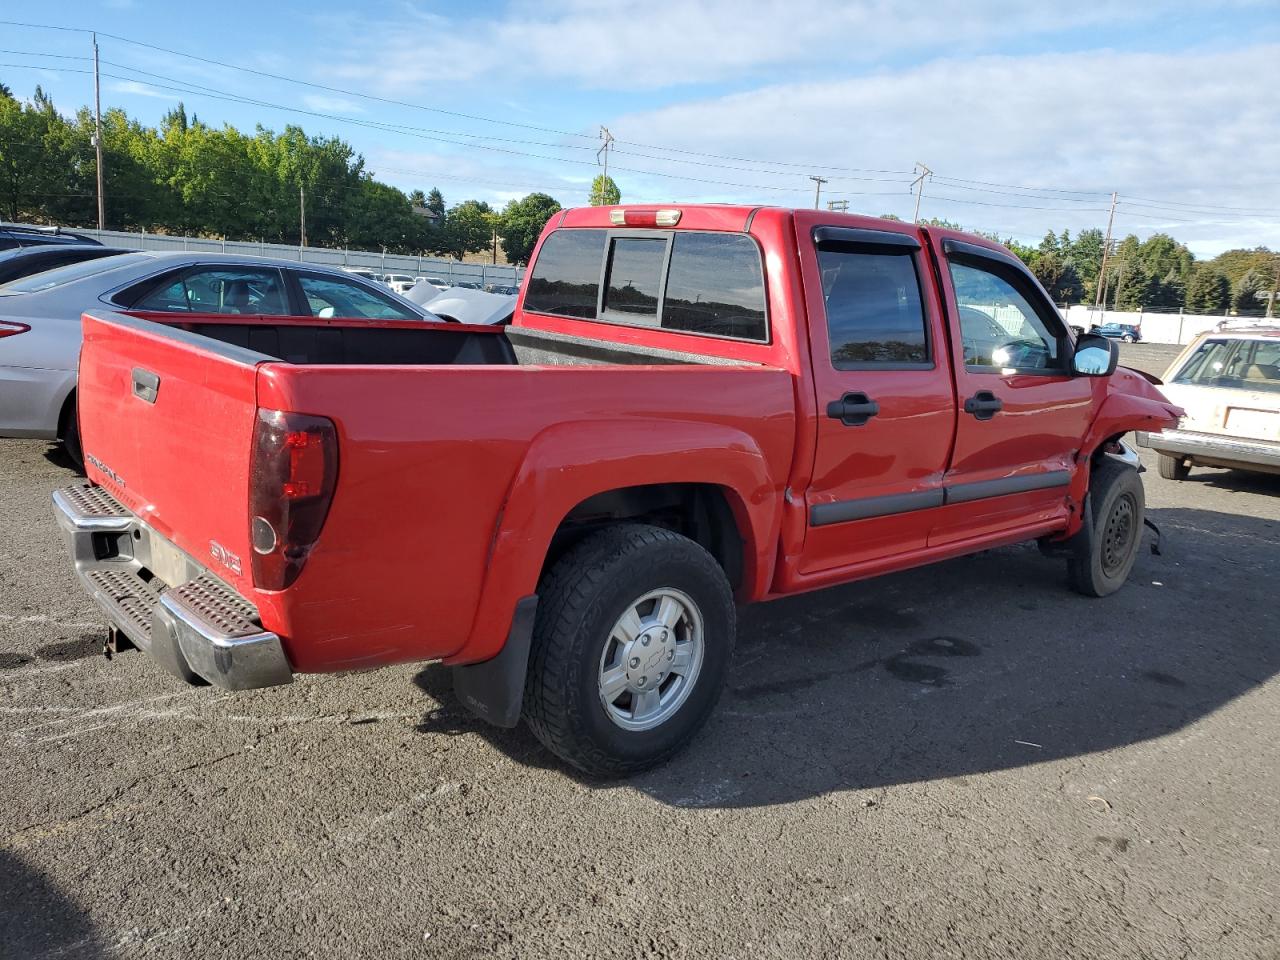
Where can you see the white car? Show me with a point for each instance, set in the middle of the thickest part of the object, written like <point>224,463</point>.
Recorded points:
<point>435,282</point>
<point>401,283</point>
<point>1229,384</point>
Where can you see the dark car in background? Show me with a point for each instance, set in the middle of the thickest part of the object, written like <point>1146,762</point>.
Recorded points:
<point>21,235</point>
<point>25,261</point>
<point>1119,331</point>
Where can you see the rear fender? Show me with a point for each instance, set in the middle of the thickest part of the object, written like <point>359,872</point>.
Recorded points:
<point>568,463</point>
<point>1131,403</point>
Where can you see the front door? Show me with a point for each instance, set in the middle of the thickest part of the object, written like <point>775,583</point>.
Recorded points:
<point>884,395</point>
<point>1022,414</point>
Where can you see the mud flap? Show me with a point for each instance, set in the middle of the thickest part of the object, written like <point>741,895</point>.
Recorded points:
<point>494,690</point>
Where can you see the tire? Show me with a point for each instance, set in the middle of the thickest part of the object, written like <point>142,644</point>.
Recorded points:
<point>1127,338</point>
<point>1173,468</point>
<point>578,647</point>
<point>71,436</point>
<point>1118,506</point>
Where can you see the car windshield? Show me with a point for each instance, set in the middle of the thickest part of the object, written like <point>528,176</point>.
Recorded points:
<point>1234,363</point>
<point>74,271</point>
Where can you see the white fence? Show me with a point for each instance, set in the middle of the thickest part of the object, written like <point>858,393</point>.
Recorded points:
<point>1156,327</point>
<point>454,271</point>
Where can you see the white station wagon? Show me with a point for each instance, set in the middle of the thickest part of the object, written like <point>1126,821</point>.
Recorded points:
<point>1229,383</point>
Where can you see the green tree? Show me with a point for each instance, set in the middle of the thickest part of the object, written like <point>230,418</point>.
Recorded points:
<point>5,92</point>
<point>522,223</point>
<point>465,230</point>
<point>435,202</point>
<point>1050,243</point>
<point>1209,291</point>
<point>1058,277</point>
<point>1249,292</point>
<point>1086,256</point>
<point>417,198</point>
<point>604,192</point>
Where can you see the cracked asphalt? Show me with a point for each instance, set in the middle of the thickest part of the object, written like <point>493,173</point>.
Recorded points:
<point>961,761</point>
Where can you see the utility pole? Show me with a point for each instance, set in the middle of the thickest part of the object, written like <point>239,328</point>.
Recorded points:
<point>918,184</point>
<point>302,213</point>
<point>97,135</point>
<point>606,141</point>
<point>1106,252</point>
<point>1275,287</point>
<point>817,196</point>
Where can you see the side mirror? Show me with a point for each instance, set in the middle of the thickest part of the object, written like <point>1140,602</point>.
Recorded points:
<point>1095,356</point>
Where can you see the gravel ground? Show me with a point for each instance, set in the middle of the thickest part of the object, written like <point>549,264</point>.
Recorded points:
<point>966,760</point>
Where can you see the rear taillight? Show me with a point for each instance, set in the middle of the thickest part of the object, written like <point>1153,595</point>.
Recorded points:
<point>292,476</point>
<point>10,328</point>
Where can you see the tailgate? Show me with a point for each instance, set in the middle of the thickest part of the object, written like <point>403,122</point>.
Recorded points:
<point>166,422</point>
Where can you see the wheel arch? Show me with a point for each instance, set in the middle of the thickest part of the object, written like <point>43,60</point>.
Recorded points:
<point>708,480</point>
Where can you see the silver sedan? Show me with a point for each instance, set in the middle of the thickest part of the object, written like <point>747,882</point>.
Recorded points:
<point>40,317</point>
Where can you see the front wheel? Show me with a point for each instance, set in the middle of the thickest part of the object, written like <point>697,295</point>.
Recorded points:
<point>631,648</point>
<point>1117,510</point>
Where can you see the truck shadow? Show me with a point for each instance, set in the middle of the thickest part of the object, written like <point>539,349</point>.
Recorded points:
<point>1243,481</point>
<point>981,664</point>
<point>38,920</point>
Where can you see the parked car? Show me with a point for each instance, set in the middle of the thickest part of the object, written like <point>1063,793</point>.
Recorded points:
<point>399,282</point>
<point>19,235</point>
<point>694,407</point>
<point>436,282</point>
<point>40,317</point>
<point>465,306</point>
<point>505,290</point>
<point>468,285</point>
<point>1229,384</point>
<point>24,261</point>
<point>1119,331</point>
<point>362,272</point>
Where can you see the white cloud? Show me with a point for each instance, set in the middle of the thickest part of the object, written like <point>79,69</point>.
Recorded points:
<point>653,44</point>
<point>1184,127</point>
<point>322,103</point>
<point>138,89</point>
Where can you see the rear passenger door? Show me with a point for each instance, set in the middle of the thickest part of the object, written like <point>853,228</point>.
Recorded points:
<point>886,408</point>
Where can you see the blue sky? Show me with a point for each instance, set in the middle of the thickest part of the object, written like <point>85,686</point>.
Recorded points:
<point>1028,114</point>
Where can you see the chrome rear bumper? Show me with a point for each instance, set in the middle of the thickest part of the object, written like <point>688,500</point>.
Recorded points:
<point>197,628</point>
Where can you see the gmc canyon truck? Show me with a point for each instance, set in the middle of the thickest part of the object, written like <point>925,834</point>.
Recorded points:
<point>694,407</point>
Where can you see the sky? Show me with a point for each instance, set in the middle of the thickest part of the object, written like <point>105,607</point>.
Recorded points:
<point>1028,115</point>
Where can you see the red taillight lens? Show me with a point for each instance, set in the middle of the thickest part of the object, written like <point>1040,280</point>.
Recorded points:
<point>10,328</point>
<point>292,475</point>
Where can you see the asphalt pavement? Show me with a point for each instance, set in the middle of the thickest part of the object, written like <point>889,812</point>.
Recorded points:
<point>966,760</point>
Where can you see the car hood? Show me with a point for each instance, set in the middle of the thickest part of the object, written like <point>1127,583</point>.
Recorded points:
<point>464,305</point>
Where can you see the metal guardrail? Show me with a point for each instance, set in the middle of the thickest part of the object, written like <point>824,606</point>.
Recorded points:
<point>381,262</point>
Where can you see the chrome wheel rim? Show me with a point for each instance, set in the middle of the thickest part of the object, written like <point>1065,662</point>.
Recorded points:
<point>1117,537</point>
<point>651,659</point>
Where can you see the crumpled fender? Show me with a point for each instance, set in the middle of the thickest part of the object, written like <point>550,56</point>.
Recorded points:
<point>1130,402</point>
<point>570,462</point>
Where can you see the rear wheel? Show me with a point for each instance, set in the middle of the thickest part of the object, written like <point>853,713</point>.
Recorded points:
<point>71,434</point>
<point>631,647</point>
<point>1173,468</point>
<point>1118,507</point>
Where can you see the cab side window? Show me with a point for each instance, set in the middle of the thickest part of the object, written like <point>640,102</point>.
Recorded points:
<point>1000,327</point>
<point>875,316</point>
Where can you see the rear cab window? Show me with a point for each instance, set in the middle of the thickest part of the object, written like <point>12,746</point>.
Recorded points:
<point>699,282</point>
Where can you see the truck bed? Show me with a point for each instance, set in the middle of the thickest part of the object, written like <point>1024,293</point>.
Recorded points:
<point>448,439</point>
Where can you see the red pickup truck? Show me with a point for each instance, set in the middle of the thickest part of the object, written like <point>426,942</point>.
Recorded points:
<point>693,407</point>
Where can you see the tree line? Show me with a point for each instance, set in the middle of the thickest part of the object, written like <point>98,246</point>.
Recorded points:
<point>1158,274</point>
<point>186,177</point>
